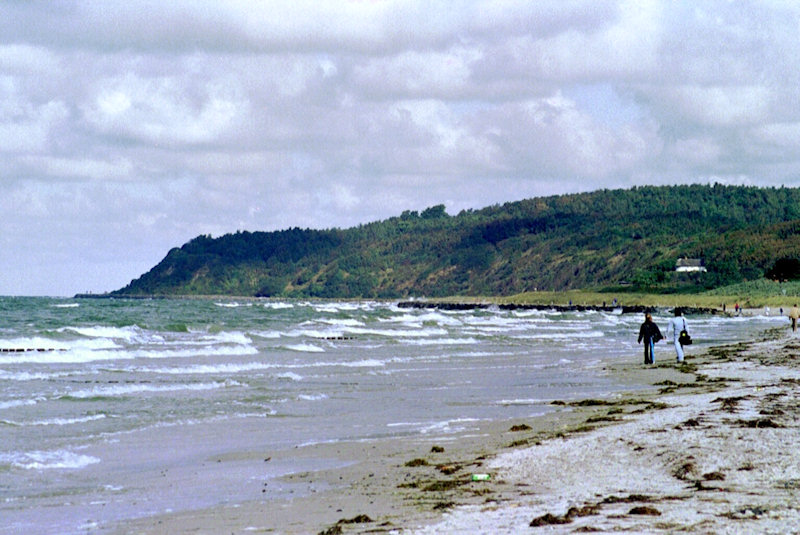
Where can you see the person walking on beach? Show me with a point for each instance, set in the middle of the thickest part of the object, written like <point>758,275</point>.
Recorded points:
<point>794,314</point>
<point>650,333</point>
<point>676,325</point>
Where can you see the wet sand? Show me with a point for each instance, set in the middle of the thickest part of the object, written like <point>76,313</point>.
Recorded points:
<point>709,447</point>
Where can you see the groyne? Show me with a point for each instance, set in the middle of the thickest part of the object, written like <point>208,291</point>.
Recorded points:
<point>623,309</point>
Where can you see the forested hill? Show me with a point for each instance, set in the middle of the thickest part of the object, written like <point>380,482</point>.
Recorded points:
<point>604,238</point>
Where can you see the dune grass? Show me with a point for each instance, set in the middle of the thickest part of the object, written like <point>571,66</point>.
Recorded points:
<point>754,294</point>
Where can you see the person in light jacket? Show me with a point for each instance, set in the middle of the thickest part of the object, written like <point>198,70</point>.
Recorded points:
<point>676,325</point>
<point>794,314</point>
<point>650,333</point>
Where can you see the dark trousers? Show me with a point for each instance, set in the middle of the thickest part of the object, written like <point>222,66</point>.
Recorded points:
<point>649,356</point>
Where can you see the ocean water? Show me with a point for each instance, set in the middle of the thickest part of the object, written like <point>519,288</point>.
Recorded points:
<point>101,400</point>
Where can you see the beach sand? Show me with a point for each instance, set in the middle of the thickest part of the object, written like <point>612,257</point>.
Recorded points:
<point>709,448</point>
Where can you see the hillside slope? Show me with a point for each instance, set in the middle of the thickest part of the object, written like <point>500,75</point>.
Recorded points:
<point>603,238</point>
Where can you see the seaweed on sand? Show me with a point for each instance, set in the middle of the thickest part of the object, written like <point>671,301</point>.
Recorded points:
<point>644,510</point>
<point>751,512</point>
<point>445,485</point>
<point>759,423</point>
<point>730,404</point>
<point>630,498</point>
<point>448,469</point>
<point>551,519</point>
<point>603,418</point>
<point>684,471</point>
<point>336,529</point>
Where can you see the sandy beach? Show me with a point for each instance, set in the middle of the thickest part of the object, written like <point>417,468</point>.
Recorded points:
<point>713,453</point>
<point>709,448</point>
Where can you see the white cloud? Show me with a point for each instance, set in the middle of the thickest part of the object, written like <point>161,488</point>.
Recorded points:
<point>24,59</point>
<point>720,106</point>
<point>26,127</point>
<point>189,117</point>
<point>554,137</point>
<point>780,135</point>
<point>164,110</point>
<point>445,74</point>
<point>704,151</point>
<point>93,169</point>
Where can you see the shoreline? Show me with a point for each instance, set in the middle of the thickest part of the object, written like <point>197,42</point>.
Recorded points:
<point>715,455</point>
<point>421,484</point>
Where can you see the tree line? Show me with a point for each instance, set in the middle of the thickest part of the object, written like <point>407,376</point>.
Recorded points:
<point>608,238</point>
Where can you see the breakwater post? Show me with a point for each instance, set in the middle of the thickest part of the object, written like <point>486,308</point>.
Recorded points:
<point>624,309</point>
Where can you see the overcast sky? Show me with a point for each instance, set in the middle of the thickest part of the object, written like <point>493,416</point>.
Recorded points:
<point>129,127</point>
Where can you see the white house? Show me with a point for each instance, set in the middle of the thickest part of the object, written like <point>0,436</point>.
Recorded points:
<point>690,265</point>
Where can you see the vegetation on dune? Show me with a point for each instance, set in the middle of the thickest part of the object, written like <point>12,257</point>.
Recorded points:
<point>617,240</point>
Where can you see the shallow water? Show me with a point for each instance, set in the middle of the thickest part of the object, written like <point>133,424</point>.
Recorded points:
<point>107,392</point>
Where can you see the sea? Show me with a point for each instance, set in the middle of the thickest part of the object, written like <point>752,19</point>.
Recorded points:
<point>107,405</point>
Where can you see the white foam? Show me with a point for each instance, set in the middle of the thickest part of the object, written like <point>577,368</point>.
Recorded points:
<point>267,334</point>
<point>289,375</point>
<point>129,389</point>
<point>441,341</point>
<point>278,306</point>
<point>305,348</point>
<point>539,314</point>
<point>38,342</point>
<point>232,337</point>
<point>233,305</point>
<point>446,426</point>
<point>561,336</point>
<point>61,421</point>
<point>312,333</point>
<point>397,333</point>
<point>312,397</point>
<point>66,305</point>
<point>441,319</point>
<point>344,322</point>
<point>76,356</point>
<point>493,321</point>
<point>104,331</point>
<point>403,318</point>
<point>529,401</point>
<point>207,369</point>
<point>30,376</point>
<point>16,403</point>
<point>338,307</point>
<point>47,460</point>
<point>366,363</point>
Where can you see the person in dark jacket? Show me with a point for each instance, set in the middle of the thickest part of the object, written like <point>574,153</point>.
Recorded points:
<point>650,333</point>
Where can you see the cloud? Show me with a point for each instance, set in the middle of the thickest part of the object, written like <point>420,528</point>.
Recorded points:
<point>163,110</point>
<point>23,59</point>
<point>716,106</point>
<point>87,168</point>
<point>704,151</point>
<point>412,73</point>
<point>25,127</point>
<point>140,118</point>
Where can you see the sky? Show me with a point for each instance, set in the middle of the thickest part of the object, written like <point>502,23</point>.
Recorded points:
<point>129,127</point>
